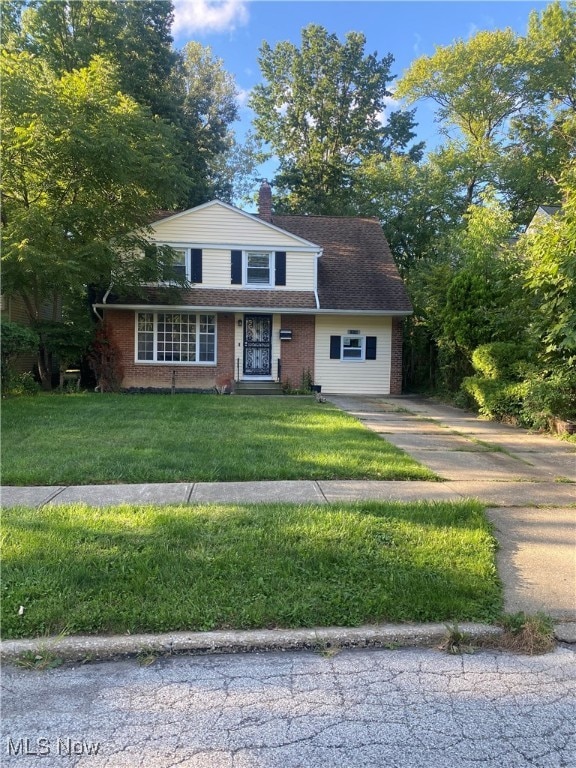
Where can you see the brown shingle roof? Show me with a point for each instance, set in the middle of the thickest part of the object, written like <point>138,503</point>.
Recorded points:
<point>225,298</point>
<point>356,269</point>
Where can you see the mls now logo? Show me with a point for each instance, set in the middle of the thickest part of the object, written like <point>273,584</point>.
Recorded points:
<point>42,747</point>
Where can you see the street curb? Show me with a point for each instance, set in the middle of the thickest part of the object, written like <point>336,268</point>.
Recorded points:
<point>82,648</point>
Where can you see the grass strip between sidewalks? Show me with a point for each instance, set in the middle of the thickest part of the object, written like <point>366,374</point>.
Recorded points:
<point>77,569</point>
<point>91,439</point>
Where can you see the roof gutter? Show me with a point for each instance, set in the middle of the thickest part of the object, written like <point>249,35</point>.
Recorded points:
<point>255,310</point>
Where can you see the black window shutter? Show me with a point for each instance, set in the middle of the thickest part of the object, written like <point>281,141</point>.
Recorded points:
<point>370,347</point>
<point>334,347</point>
<point>280,268</point>
<point>236,268</point>
<point>196,273</point>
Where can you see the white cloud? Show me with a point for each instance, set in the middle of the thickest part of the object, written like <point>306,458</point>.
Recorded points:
<point>418,40</point>
<point>209,15</point>
<point>392,105</point>
<point>242,96</point>
<point>473,29</point>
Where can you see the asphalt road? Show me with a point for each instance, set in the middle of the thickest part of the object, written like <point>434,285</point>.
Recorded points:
<point>406,708</point>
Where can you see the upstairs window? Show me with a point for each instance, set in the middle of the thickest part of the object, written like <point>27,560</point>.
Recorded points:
<point>179,263</point>
<point>187,264</point>
<point>258,269</point>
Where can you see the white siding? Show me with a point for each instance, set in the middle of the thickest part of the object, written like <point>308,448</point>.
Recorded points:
<point>300,268</point>
<point>216,268</point>
<point>351,377</point>
<point>218,224</point>
<point>221,226</point>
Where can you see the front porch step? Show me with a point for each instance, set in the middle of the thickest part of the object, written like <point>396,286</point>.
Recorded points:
<point>258,388</point>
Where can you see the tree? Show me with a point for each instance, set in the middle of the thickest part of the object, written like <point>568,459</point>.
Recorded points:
<point>208,110</point>
<point>84,167</point>
<point>134,35</point>
<point>550,277</point>
<point>190,90</point>
<point>472,292</point>
<point>478,85</point>
<point>320,110</point>
<point>417,203</point>
<point>506,106</point>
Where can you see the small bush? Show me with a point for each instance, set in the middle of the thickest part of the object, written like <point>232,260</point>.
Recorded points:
<point>500,360</point>
<point>496,399</point>
<point>549,395</point>
<point>15,340</point>
<point>18,384</point>
<point>104,358</point>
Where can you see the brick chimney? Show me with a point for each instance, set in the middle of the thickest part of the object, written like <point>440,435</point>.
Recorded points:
<point>265,202</point>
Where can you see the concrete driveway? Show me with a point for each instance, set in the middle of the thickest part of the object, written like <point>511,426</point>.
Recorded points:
<point>529,481</point>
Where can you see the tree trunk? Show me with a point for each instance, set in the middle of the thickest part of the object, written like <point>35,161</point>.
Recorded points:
<point>44,367</point>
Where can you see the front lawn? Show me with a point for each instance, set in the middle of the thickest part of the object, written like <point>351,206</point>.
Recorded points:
<point>78,569</point>
<point>93,439</point>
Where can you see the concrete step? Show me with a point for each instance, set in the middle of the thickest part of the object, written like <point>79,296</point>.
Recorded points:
<point>258,388</point>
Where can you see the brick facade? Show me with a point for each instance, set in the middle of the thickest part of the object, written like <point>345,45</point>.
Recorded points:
<point>297,355</point>
<point>160,375</point>
<point>396,357</point>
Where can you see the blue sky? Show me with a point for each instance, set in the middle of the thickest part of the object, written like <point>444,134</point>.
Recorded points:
<point>235,30</point>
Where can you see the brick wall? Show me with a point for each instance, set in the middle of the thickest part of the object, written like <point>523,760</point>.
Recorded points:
<point>297,355</point>
<point>396,357</point>
<point>150,375</point>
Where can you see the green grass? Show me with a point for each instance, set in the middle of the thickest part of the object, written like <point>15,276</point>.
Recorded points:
<point>92,439</point>
<point>77,569</point>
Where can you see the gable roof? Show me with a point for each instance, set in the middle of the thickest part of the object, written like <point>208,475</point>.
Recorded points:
<point>356,270</point>
<point>231,211</point>
<point>551,210</point>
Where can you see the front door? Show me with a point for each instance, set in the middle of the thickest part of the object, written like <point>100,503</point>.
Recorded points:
<point>257,345</point>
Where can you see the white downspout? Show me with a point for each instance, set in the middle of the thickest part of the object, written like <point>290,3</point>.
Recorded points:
<point>95,310</point>
<point>318,254</point>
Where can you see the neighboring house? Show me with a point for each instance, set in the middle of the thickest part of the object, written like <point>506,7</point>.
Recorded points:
<point>13,308</point>
<point>543,214</point>
<point>273,298</point>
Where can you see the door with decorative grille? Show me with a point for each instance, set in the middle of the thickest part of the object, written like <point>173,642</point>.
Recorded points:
<point>257,345</point>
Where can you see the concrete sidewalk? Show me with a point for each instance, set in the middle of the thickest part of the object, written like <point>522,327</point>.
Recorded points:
<point>527,480</point>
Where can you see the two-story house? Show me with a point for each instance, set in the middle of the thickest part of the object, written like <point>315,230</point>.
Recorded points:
<point>272,298</point>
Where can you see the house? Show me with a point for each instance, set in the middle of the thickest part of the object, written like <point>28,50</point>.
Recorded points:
<point>543,214</point>
<point>272,298</point>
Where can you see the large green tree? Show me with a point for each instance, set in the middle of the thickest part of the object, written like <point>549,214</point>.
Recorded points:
<point>506,106</point>
<point>84,167</point>
<point>213,157</point>
<point>320,109</point>
<point>134,34</point>
<point>189,90</point>
<point>549,258</point>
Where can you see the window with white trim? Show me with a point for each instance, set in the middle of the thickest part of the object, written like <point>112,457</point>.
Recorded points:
<point>258,268</point>
<point>175,337</point>
<point>353,347</point>
<point>179,264</point>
